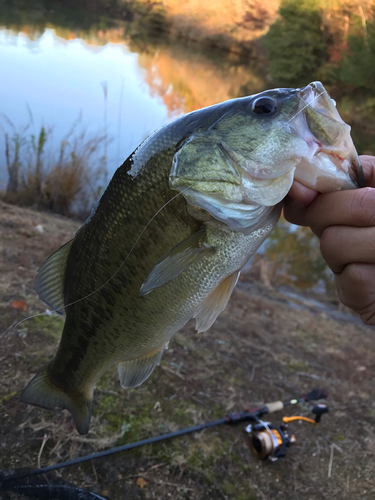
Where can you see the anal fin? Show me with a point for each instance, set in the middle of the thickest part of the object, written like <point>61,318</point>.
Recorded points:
<point>210,308</point>
<point>134,372</point>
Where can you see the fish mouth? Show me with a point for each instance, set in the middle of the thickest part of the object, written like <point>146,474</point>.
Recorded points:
<point>332,162</point>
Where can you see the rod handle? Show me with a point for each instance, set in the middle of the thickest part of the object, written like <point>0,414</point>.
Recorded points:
<point>276,406</point>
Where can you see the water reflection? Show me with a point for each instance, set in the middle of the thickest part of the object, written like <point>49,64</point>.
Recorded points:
<point>294,258</point>
<point>58,80</point>
<point>190,80</point>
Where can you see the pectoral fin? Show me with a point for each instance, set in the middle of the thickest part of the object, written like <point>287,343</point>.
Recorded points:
<point>208,310</point>
<point>134,372</point>
<point>49,282</point>
<point>176,261</point>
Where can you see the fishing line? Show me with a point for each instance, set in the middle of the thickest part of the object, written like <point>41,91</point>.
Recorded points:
<point>114,274</point>
<point>306,106</point>
<point>144,229</point>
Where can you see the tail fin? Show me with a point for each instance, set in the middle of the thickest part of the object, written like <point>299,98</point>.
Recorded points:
<point>42,392</point>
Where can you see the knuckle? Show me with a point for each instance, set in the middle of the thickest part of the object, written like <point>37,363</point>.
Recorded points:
<point>331,242</point>
<point>355,277</point>
<point>362,208</point>
<point>330,235</point>
<point>368,317</point>
<point>356,289</point>
<point>350,282</point>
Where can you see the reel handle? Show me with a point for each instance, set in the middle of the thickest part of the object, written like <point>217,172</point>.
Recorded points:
<point>319,410</point>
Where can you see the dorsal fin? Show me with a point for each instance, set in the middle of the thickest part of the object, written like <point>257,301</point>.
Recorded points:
<point>49,282</point>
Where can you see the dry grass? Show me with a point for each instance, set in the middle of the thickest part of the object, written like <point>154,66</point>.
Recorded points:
<point>65,182</point>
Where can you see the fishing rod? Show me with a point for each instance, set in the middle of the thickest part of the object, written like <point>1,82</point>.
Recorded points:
<point>267,441</point>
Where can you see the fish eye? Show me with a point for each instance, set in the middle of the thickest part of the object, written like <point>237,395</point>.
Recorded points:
<point>265,106</point>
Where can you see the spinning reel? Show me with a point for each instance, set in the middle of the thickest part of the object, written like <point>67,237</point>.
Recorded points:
<point>269,441</point>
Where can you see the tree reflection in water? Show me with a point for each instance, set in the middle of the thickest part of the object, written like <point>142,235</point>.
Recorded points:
<point>294,259</point>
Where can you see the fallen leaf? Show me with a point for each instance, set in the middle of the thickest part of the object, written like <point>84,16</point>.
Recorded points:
<point>19,304</point>
<point>141,482</point>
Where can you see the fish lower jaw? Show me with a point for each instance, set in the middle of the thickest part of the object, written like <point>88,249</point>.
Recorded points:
<point>325,171</point>
<point>338,157</point>
<point>240,217</point>
<point>328,168</point>
<point>346,160</point>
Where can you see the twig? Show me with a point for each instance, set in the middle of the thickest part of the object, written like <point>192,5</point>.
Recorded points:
<point>144,474</point>
<point>106,391</point>
<point>337,447</point>
<point>172,371</point>
<point>309,375</point>
<point>156,466</point>
<point>330,461</point>
<point>8,330</point>
<point>56,446</point>
<point>45,439</point>
<point>252,373</point>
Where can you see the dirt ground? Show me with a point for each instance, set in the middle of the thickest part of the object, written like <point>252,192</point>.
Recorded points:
<point>264,347</point>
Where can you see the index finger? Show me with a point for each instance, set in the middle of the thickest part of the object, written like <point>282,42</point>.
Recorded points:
<point>368,166</point>
<point>342,208</point>
<point>301,197</point>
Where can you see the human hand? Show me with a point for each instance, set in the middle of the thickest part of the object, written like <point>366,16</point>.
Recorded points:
<point>345,223</point>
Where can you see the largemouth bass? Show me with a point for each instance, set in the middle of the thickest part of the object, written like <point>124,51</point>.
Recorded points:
<point>171,233</point>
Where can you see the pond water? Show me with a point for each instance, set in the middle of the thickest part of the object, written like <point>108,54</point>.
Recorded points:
<point>54,82</point>
<point>106,83</point>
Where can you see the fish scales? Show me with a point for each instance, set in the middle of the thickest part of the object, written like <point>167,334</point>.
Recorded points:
<point>117,235</point>
<point>146,261</point>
